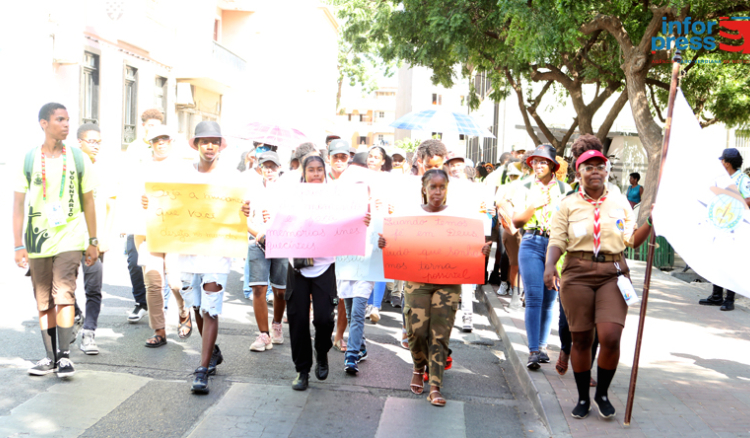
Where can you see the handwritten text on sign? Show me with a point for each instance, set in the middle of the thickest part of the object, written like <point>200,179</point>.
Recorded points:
<point>197,219</point>
<point>434,249</point>
<point>319,220</point>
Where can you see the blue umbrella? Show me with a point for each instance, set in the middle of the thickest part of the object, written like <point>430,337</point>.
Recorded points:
<point>441,120</point>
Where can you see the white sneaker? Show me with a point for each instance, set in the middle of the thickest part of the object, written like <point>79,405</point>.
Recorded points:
<point>277,335</point>
<point>137,314</point>
<point>504,290</point>
<point>368,311</point>
<point>88,344</point>
<point>467,325</point>
<point>375,315</point>
<point>262,343</point>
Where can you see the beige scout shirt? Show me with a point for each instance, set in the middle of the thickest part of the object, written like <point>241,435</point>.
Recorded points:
<point>573,225</point>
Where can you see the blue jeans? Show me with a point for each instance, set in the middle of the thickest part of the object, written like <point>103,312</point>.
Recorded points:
<point>539,299</point>
<point>246,288</point>
<point>355,315</point>
<point>376,298</point>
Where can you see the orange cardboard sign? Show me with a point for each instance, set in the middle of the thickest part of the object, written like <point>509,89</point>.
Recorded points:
<point>434,249</point>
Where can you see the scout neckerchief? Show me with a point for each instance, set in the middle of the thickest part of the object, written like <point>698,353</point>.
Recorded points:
<point>44,175</point>
<point>546,213</point>
<point>597,225</point>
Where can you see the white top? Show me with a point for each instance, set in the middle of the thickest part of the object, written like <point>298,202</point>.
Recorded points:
<point>355,288</point>
<point>320,265</point>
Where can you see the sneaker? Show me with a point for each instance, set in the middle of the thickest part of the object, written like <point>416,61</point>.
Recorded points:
<point>248,294</point>
<point>396,301</point>
<point>368,311</point>
<point>375,315</point>
<point>362,356</point>
<point>533,363</point>
<point>216,359</point>
<point>277,335</point>
<point>262,343</point>
<point>137,314</point>
<point>582,409</point>
<point>350,366</point>
<point>606,410</point>
<point>504,289</point>
<point>467,325</point>
<point>43,367</point>
<point>543,356</point>
<point>65,368</point>
<point>88,345</point>
<point>77,324</point>
<point>200,383</point>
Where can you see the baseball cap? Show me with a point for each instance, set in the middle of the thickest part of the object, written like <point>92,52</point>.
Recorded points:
<point>729,154</point>
<point>398,151</point>
<point>338,146</point>
<point>456,157</point>
<point>593,153</point>
<point>360,159</point>
<point>269,156</point>
<point>158,131</point>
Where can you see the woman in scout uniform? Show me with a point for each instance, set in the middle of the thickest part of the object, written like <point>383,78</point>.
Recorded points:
<point>594,228</point>
<point>534,204</point>
<point>430,309</point>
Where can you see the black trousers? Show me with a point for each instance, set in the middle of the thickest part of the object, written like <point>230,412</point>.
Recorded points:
<point>323,292</point>
<point>92,284</point>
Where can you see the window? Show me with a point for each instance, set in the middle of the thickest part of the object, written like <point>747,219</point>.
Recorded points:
<point>438,135</point>
<point>185,126</point>
<point>217,30</point>
<point>381,138</point>
<point>461,137</point>
<point>160,96</point>
<point>90,88</point>
<point>381,114</point>
<point>437,99</point>
<point>363,140</point>
<point>361,117</point>
<point>130,110</point>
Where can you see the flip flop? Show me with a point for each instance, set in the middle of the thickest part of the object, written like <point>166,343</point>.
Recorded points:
<point>159,341</point>
<point>340,346</point>
<point>187,324</point>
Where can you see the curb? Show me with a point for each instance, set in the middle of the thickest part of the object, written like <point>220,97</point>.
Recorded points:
<point>535,385</point>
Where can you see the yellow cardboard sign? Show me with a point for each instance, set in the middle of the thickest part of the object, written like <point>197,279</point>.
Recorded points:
<point>197,219</point>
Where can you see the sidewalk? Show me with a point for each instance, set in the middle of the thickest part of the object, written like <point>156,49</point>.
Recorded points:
<point>694,375</point>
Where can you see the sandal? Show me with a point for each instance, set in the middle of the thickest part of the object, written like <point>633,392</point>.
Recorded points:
<point>562,363</point>
<point>340,346</point>
<point>188,323</point>
<point>592,383</point>
<point>404,339</point>
<point>160,340</point>
<point>436,400</point>
<point>416,388</point>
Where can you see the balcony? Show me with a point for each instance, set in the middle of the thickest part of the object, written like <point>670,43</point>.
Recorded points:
<point>211,66</point>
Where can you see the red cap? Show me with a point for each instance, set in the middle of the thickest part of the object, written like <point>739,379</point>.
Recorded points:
<point>593,153</point>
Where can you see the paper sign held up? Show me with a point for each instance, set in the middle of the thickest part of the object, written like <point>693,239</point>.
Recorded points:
<point>196,219</point>
<point>319,220</point>
<point>368,267</point>
<point>434,249</point>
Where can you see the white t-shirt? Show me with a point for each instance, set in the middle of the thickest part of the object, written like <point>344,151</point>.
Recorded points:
<point>320,265</point>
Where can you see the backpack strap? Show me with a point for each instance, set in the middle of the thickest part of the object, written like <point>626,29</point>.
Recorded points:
<point>80,167</point>
<point>28,164</point>
<point>561,186</point>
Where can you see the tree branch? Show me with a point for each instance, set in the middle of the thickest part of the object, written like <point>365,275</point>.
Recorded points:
<point>566,137</point>
<point>614,26</point>
<point>519,94</point>
<point>554,74</point>
<point>612,115</point>
<point>538,98</point>
<point>709,122</point>
<point>597,102</point>
<point>695,58</point>
<point>660,84</point>
<point>653,102</point>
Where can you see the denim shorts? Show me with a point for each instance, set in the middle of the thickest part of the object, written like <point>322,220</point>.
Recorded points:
<point>196,296</point>
<point>261,268</point>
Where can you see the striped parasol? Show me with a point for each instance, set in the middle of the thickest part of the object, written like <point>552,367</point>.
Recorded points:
<point>441,120</point>
<point>277,135</point>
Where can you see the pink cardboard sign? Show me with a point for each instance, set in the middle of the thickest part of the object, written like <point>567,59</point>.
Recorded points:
<point>319,220</point>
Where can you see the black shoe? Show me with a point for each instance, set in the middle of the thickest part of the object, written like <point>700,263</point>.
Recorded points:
<point>606,410</point>
<point>543,357</point>
<point>65,368</point>
<point>713,300</point>
<point>533,363</point>
<point>43,367</point>
<point>216,359</point>
<point>727,305</point>
<point>301,381</point>
<point>395,302</point>
<point>582,409</point>
<point>200,383</point>
<point>321,366</point>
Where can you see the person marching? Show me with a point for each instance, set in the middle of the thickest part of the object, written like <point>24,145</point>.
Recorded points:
<point>377,161</point>
<point>594,228</point>
<point>262,268</point>
<point>430,308</point>
<point>58,181</point>
<point>316,280</point>
<point>338,161</point>
<point>535,204</point>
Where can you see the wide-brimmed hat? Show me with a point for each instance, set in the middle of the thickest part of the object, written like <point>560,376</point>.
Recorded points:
<point>593,153</point>
<point>544,151</point>
<point>207,129</point>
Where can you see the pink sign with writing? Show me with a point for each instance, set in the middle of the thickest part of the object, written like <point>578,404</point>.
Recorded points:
<point>319,220</point>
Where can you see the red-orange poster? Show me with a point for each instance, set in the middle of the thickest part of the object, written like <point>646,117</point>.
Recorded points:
<point>434,249</point>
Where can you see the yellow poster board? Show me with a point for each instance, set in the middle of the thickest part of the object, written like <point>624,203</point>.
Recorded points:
<point>197,219</point>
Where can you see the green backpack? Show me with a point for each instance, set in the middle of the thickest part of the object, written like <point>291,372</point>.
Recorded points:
<point>28,165</point>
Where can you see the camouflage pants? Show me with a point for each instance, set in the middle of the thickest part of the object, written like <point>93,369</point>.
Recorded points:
<point>430,310</point>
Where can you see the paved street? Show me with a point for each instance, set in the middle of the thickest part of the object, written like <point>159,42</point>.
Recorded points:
<point>130,390</point>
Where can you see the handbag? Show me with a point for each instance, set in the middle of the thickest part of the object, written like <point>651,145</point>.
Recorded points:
<point>302,263</point>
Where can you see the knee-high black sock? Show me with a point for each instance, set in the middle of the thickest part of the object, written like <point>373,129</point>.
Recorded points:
<point>604,377</point>
<point>582,382</point>
<point>64,335</point>
<point>49,338</point>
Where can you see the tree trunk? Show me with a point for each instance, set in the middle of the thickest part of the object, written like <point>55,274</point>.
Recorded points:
<point>338,94</point>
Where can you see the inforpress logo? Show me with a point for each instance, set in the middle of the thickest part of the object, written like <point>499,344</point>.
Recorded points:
<point>703,34</point>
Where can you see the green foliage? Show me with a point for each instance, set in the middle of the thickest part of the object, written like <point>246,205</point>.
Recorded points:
<point>408,145</point>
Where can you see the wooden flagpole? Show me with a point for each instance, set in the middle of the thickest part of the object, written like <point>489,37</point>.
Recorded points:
<point>652,240</point>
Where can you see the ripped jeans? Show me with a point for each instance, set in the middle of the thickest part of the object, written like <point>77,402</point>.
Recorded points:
<point>195,295</point>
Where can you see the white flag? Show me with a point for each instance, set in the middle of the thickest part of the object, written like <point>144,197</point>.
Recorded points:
<point>698,208</point>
